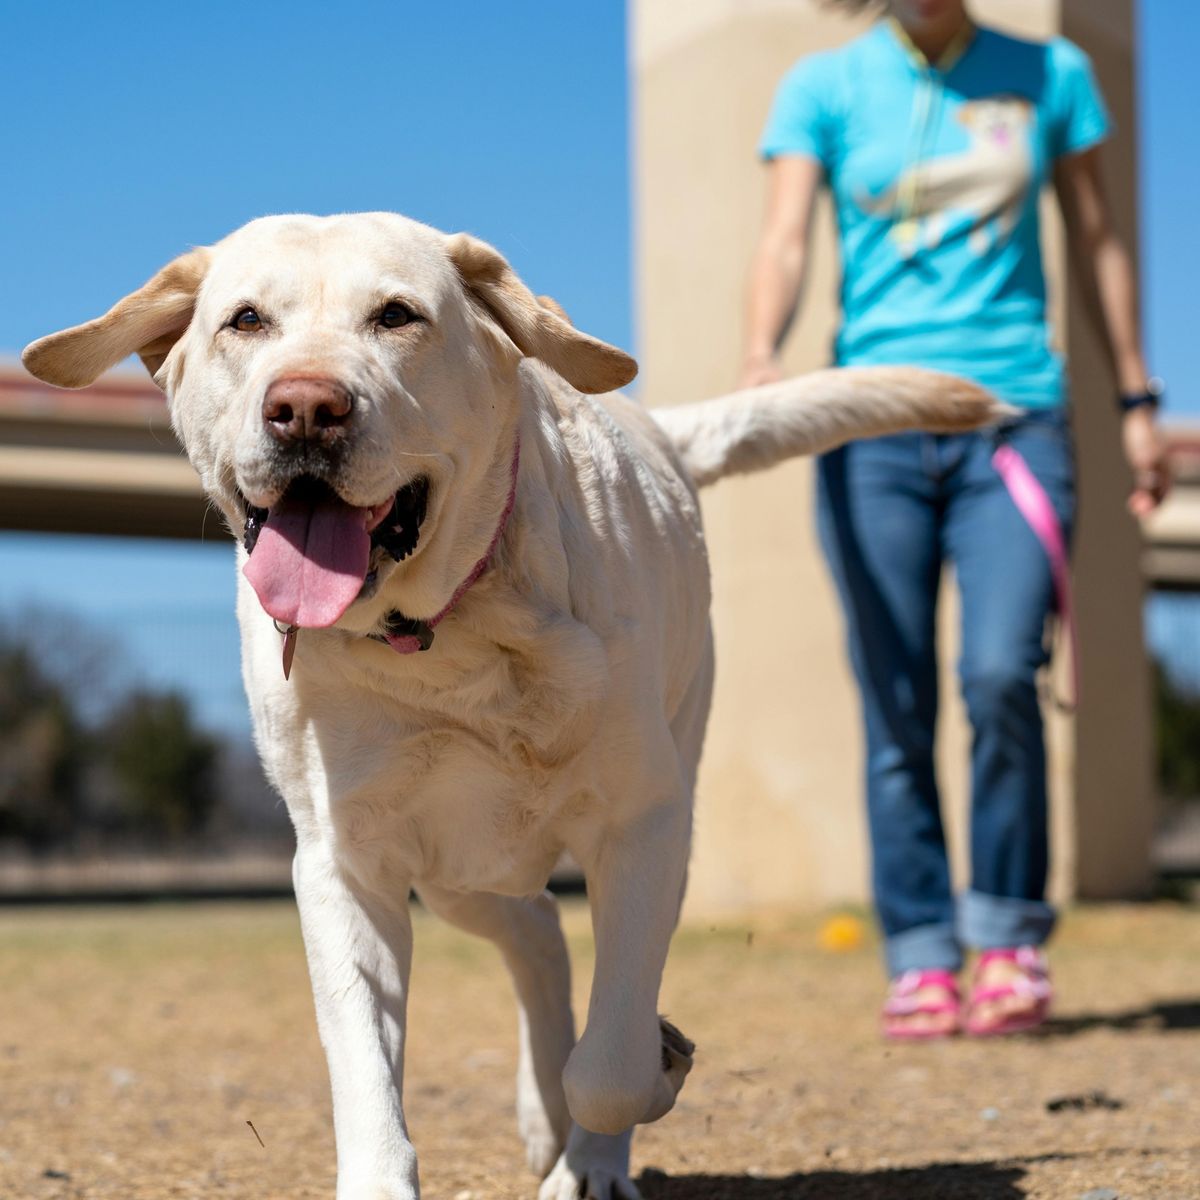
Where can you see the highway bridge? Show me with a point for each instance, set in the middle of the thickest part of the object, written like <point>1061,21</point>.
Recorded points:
<point>1171,555</point>
<point>104,460</point>
<point>99,460</point>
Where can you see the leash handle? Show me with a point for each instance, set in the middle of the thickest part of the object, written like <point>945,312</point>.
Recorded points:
<point>1034,505</point>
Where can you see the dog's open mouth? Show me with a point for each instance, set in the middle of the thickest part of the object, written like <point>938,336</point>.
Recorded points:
<point>311,551</point>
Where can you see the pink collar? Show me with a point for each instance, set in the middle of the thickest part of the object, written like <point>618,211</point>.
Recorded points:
<point>406,635</point>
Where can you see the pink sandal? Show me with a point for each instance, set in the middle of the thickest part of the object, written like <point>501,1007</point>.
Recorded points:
<point>1033,984</point>
<point>904,1002</point>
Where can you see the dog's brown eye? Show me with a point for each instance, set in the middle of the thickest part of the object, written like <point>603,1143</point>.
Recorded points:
<point>246,320</point>
<point>395,315</point>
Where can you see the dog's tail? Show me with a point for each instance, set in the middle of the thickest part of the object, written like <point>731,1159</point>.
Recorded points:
<point>759,427</point>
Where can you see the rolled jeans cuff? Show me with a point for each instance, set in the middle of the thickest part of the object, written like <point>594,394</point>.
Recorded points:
<point>923,948</point>
<point>997,922</point>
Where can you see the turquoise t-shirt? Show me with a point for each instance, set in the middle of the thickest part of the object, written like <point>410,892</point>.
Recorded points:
<point>935,177</point>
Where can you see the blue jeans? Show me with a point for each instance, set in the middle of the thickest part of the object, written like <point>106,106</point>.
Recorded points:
<point>891,511</point>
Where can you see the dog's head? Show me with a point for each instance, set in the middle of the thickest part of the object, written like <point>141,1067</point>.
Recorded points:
<point>347,387</point>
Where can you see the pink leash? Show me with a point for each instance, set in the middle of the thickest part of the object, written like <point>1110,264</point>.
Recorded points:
<point>1034,505</point>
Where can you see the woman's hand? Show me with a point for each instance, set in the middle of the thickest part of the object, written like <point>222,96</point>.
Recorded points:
<point>1109,294</point>
<point>1146,453</point>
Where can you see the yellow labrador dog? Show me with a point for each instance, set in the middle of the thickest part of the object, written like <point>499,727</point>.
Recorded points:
<point>474,610</point>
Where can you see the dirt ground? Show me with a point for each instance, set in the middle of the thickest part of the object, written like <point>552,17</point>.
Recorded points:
<point>136,1045</point>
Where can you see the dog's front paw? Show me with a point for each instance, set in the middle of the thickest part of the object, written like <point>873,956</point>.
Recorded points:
<point>359,1188</point>
<point>594,1166</point>
<point>598,1184</point>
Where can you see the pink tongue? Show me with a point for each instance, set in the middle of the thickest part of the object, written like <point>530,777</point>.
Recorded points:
<point>310,560</point>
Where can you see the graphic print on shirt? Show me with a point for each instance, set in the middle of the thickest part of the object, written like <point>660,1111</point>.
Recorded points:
<point>986,184</point>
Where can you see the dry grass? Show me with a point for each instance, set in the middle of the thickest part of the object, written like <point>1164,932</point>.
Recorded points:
<point>137,1043</point>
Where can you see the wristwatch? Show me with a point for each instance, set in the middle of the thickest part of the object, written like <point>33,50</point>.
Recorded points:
<point>1150,397</point>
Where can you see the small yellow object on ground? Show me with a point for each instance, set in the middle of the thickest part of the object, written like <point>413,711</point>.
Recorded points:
<point>842,933</point>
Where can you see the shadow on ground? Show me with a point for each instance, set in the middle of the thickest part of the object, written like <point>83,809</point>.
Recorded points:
<point>938,1181</point>
<point>1164,1017</point>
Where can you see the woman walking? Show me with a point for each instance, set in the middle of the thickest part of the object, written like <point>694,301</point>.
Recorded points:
<point>935,137</point>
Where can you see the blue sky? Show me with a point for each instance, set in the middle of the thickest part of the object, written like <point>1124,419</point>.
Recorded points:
<point>138,129</point>
<point>1169,33</point>
<point>134,130</point>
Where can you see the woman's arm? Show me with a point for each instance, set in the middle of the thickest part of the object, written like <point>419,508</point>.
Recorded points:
<point>1110,297</point>
<point>777,270</point>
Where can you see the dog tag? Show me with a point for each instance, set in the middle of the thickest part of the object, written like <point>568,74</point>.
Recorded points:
<point>289,649</point>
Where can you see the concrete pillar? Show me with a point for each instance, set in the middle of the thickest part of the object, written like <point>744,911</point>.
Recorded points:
<point>779,815</point>
<point>1114,783</point>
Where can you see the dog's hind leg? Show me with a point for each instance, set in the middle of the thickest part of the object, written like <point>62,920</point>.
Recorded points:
<point>528,935</point>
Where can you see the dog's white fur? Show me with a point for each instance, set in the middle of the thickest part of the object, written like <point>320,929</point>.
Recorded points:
<point>563,703</point>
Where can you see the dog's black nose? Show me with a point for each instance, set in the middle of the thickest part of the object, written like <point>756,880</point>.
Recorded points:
<point>308,409</point>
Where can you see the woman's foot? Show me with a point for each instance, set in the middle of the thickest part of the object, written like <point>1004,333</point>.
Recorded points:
<point>921,1005</point>
<point>1011,993</point>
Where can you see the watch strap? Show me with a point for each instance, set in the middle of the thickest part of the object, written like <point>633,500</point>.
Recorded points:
<point>1149,397</point>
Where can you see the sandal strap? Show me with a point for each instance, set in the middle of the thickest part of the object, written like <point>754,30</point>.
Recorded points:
<point>1029,958</point>
<point>914,980</point>
<point>911,1007</point>
<point>1035,989</point>
<point>1033,982</point>
<point>903,1000</point>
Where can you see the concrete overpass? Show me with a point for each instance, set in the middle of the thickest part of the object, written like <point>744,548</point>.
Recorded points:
<point>104,460</point>
<point>1171,557</point>
<point>99,460</point>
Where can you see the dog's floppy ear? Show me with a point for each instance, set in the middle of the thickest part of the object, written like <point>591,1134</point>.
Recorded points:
<point>537,331</point>
<point>149,322</point>
<point>556,308</point>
